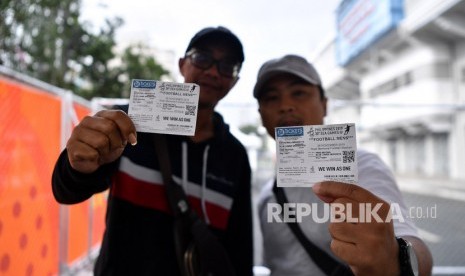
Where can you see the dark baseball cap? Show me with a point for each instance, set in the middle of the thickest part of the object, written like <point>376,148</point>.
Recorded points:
<point>291,64</point>
<point>221,34</point>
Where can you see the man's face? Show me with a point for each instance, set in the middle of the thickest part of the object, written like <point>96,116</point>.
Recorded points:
<point>287,100</point>
<point>213,85</point>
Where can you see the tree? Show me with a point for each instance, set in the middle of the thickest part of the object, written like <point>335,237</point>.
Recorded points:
<point>104,80</point>
<point>139,64</point>
<point>42,37</point>
<point>46,40</point>
<point>257,130</point>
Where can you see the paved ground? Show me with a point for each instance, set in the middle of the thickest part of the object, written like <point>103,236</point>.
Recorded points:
<point>444,233</point>
<point>438,210</point>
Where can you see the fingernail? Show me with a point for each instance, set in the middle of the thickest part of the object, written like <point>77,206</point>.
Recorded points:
<point>316,187</point>
<point>132,139</point>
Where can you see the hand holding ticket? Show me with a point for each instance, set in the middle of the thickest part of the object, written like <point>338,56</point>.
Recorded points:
<point>311,154</point>
<point>164,107</point>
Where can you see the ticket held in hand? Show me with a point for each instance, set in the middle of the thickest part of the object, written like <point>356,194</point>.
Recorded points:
<point>164,107</point>
<point>311,154</point>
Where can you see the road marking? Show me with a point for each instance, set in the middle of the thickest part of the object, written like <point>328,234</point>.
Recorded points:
<point>415,187</point>
<point>448,270</point>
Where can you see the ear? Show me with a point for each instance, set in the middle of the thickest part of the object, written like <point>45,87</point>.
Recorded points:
<point>324,102</point>
<point>181,63</point>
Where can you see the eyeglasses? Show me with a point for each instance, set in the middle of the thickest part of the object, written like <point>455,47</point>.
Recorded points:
<point>204,60</point>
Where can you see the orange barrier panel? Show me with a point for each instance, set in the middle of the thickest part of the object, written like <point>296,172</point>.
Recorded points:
<point>30,131</point>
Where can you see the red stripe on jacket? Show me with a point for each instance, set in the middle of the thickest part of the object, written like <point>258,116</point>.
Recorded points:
<point>152,195</point>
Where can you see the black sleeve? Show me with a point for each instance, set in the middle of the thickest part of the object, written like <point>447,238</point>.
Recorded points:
<point>70,186</point>
<point>239,237</point>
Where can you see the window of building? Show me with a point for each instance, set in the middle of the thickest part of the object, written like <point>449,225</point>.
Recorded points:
<point>441,154</point>
<point>415,153</point>
<point>392,144</point>
<point>438,70</point>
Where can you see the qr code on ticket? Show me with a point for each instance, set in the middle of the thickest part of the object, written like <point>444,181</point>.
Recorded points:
<point>190,110</point>
<point>348,156</point>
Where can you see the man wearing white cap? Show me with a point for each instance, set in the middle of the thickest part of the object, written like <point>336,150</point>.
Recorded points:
<point>290,93</point>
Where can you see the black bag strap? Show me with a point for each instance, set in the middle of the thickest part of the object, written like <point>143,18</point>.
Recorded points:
<point>176,196</point>
<point>328,264</point>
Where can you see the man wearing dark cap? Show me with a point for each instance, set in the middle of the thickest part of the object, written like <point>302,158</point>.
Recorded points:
<point>212,167</point>
<point>290,93</point>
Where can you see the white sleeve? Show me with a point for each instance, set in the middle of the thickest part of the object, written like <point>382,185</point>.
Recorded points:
<point>375,176</point>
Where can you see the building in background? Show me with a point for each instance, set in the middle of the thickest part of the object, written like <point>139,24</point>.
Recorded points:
<point>397,69</point>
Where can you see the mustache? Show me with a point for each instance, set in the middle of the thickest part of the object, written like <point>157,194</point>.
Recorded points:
<point>289,120</point>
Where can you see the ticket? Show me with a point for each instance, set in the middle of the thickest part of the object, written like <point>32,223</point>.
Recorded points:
<point>164,107</point>
<point>311,154</point>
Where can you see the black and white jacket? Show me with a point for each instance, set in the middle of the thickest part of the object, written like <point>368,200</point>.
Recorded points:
<point>138,239</point>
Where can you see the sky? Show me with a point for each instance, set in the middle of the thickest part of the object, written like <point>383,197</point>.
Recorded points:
<point>267,29</point>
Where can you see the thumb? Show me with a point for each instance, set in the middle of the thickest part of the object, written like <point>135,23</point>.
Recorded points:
<point>317,189</point>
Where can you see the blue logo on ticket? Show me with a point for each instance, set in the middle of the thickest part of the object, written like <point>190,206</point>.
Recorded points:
<point>289,131</point>
<point>150,84</point>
